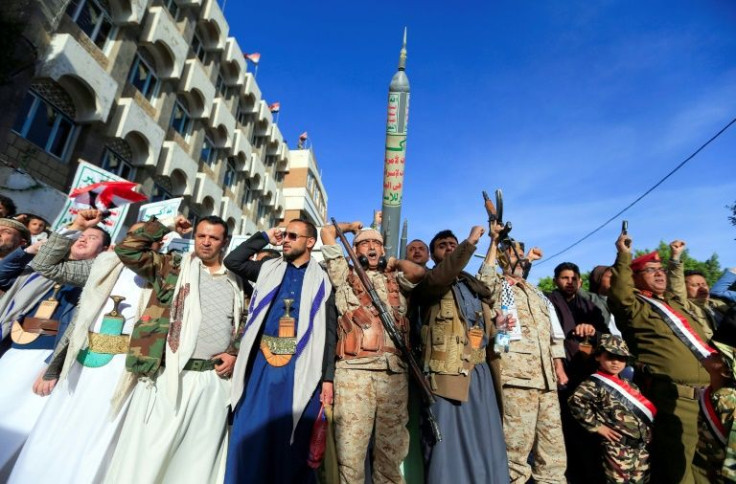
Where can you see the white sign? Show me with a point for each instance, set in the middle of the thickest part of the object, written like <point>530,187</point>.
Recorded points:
<point>160,210</point>
<point>181,245</point>
<point>89,174</point>
<point>236,240</point>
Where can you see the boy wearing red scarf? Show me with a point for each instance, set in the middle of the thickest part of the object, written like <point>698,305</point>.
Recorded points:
<point>616,410</point>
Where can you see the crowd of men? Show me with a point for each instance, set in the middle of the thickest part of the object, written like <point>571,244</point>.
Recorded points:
<point>135,363</point>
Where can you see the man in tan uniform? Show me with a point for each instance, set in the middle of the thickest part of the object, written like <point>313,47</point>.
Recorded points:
<point>530,370</point>
<point>668,343</point>
<point>371,382</point>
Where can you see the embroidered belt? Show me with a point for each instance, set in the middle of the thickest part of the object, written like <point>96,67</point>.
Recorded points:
<point>196,364</point>
<point>277,351</point>
<point>108,344</point>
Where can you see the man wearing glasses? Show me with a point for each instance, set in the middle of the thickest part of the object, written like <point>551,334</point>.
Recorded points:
<point>670,346</point>
<point>288,348</point>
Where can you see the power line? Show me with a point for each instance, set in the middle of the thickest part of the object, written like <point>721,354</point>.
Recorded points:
<point>702,147</point>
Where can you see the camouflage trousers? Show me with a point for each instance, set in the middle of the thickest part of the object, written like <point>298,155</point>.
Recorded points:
<point>531,423</point>
<point>365,399</point>
<point>625,464</point>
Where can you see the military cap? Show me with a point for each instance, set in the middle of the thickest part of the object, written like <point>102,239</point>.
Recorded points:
<point>641,261</point>
<point>614,345</point>
<point>368,234</point>
<point>14,224</point>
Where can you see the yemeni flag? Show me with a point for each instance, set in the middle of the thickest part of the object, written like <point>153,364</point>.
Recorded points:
<point>255,57</point>
<point>275,107</point>
<point>107,195</point>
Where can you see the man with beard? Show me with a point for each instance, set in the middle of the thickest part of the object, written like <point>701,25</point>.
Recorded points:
<point>417,252</point>
<point>371,382</point>
<point>458,332</point>
<point>13,235</point>
<point>691,286</point>
<point>287,362</point>
<point>583,324</point>
<point>531,370</point>
<point>668,343</point>
<point>176,426</point>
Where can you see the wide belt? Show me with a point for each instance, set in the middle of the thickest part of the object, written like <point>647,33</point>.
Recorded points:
<point>475,357</point>
<point>108,344</point>
<point>196,364</point>
<point>368,354</point>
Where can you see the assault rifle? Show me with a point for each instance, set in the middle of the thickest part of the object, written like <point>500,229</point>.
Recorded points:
<point>390,326</point>
<point>495,214</point>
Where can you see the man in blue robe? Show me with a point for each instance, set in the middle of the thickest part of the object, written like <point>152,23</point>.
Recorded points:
<point>287,351</point>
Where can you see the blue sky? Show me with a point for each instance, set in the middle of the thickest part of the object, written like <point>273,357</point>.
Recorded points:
<point>573,108</point>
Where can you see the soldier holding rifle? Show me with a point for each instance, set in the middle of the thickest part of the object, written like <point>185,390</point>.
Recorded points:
<point>371,384</point>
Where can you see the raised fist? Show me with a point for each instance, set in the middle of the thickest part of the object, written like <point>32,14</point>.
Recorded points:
<point>86,219</point>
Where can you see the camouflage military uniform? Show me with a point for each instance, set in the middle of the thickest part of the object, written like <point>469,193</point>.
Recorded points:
<point>721,458</point>
<point>370,392</point>
<point>593,405</point>
<point>531,408</point>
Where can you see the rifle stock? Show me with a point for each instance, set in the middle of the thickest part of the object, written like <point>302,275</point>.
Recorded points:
<point>393,332</point>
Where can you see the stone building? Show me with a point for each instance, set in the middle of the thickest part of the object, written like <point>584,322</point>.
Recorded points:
<point>154,91</point>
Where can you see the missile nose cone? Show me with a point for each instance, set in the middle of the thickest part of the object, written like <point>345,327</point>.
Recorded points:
<point>402,54</point>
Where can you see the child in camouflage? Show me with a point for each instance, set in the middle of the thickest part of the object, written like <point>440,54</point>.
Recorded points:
<point>717,435</point>
<point>616,410</point>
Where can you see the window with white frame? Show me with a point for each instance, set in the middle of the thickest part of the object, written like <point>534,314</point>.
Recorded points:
<point>117,163</point>
<point>181,121</point>
<point>159,194</point>
<point>247,194</point>
<point>243,116</point>
<point>262,209</point>
<point>143,77</point>
<point>173,9</point>
<point>230,174</point>
<point>45,125</point>
<point>94,20</point>
<point>220,86</point>
<point>208,155</point>
<point>198,48</point>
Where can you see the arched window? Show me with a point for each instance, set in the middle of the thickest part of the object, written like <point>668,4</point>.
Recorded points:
<point>117,159</point>
<point>143,77</point>
<point>93,17</point>
<point>247,194</point>
<point>181,120</point>
<point>230,174</point>
<point>46,120</point>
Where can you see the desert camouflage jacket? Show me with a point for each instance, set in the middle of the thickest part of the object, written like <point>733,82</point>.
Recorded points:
<point>721,458</point>
<point>592,405</point>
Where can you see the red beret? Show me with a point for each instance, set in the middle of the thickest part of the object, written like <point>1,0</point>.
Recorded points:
<point>639,263</point>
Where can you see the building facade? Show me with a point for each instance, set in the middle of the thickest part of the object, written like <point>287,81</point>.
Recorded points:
<point>304,195</point>
<point>158,93</point>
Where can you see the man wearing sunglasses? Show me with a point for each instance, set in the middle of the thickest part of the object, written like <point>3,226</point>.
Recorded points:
<point>371,382</point>
<point>669,344</point>
<point>288,348</point>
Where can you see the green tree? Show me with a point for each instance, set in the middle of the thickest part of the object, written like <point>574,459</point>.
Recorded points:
<point>711,267</point>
